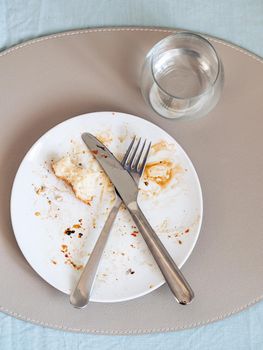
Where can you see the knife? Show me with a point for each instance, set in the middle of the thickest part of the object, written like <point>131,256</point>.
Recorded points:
<point>128,191</point>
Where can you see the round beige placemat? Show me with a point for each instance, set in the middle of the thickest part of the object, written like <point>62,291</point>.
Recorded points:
<point>50,79</point>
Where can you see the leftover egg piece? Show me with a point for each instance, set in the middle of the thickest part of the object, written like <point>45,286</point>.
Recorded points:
<point>84,181</point>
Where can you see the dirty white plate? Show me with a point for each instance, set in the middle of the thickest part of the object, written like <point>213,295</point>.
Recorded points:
<point>56,232</point>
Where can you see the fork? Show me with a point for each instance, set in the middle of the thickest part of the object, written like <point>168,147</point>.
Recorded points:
<point>134,161</point>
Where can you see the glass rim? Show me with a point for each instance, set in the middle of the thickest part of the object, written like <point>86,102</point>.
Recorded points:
<point>200,37</point>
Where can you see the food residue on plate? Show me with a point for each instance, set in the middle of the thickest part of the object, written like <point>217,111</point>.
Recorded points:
<point>161,146</point>
<point>105,137</point>
<point>74,229</point>
<point>37,213</point>
<point>135,233</point>
<point>58,198</point>
<point>161,172</point>
<point>76,226</point>
<point>68,231</point>
<point>64,248</point>
<point>84,181</point>
<point>75,266</point>
<point>40,189</point>
<point>68,259</point>
<point>94,223</point>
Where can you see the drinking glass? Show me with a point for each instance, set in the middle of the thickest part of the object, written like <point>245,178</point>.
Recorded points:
<point>182,76</point>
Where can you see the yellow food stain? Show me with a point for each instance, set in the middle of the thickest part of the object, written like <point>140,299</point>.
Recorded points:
<point>161,172</point>
<point>64,248</point>
<point>77,226</point>
<point>161,146</point>
<point>123,137</point>
<point>37,213</point>
<point>58,198</point>
<point>104,137</point>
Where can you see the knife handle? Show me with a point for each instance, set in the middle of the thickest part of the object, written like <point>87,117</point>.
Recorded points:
<point>80,295</point>
<point>173,276</point>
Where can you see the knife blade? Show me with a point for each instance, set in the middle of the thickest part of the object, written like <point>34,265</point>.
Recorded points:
<point>121,178</point>
<point>128,191</point>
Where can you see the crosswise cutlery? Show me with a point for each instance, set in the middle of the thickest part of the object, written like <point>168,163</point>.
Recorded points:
<point>80,295</point>
<point>128,191</point>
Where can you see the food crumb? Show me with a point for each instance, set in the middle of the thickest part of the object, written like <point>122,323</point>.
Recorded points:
<point>150,286</point>
<point>179,241</point>
<point>77,226</point>
<point>54,262</point>
<point>40,189</point>
<point>37,213</point>
<point>122,253</point>
<point>58,198</point>
<point>133,246</point>
<point>72,264</point>
<point>130,271</point>
<point>68,231</point>
<point>49,202</point>
<point>134,233</point>
<point>146,183</point>
<point>64,248</point>
<point>80,235</point>
<point>187,230</point>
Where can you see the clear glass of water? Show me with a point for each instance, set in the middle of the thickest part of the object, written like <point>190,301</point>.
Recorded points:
<point>182,76</point>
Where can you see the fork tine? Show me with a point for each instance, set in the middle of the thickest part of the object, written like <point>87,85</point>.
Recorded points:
<point>130,161</point>
<point>141,170</point>
<point>126,156</point>
<point>136,165</point>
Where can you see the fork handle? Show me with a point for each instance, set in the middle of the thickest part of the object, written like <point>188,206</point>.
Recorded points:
<point>173,276</point>
<point>80,296</point>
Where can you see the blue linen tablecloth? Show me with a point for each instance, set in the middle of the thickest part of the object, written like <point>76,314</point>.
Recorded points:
<point>239,21</point>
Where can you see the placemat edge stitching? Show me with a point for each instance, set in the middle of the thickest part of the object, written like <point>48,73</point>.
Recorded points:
<point>86,31</point>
